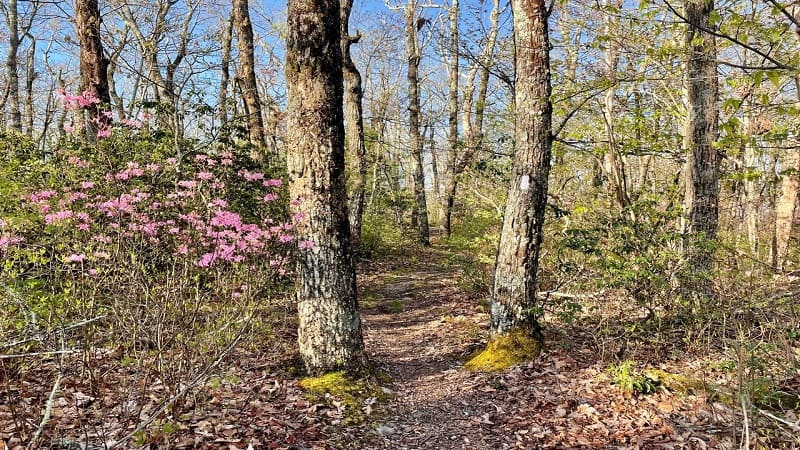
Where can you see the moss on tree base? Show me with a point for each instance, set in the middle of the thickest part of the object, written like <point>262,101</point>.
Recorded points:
<point>505,350</point>
<point>353,394</point>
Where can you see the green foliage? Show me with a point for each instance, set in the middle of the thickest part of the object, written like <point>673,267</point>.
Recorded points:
<point>380,234</point>
<point>628,378</point>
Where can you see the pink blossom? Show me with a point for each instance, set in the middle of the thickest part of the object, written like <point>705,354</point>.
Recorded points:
<point>272,183</point>
<point>86,185</point>
<point>36,197</point>
<point>8,240</point>
<point>206,260</point>
<point>219,202</point>
<point>93,272</point>
<point>182,250</point>
<point>153,167</point>
<point>205,175</point>
<point>104,133</point>
<point>305,244</point>
<point>171,161</point>
<point>284,238</point>
<point>187,184</point>
<point>298,216</point>
<point>57,216</point>
<point>226,162</point>
<point>133,123</point>
<point>69,129</point>
<point>76,258</point>
<point>270,197</point>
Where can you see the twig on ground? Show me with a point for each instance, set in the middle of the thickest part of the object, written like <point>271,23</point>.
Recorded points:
<point>25,355</point>
<point>793,426</point>
<point>188,387</point>
<point>48,411</point>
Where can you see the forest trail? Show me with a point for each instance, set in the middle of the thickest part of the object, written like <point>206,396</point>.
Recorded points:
<point>420,325</point>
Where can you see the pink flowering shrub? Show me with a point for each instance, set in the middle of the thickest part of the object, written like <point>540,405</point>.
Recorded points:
<point>122,223</point>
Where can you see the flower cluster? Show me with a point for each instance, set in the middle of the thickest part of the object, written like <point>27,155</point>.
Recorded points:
<point>181,213</point>
<point>105,119</point>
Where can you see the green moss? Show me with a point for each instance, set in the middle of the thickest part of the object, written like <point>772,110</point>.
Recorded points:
<point>504,351</point>
<point>346,392</point>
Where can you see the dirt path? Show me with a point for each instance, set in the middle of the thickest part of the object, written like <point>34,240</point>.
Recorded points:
<point>420,327</point>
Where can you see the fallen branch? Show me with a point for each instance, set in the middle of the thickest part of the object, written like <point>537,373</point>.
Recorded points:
<point>38,336</point>
<point>566,295</point>
<point>188,387</point>
<point>793,426</point>
<point>48,411</point>
<point>25,355</point>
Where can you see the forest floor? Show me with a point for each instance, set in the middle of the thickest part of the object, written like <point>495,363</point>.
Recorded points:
<point>420,323</point>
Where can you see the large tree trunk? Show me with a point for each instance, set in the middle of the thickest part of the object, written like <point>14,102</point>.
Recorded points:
<point>420,212</point>
<point>786,208</point>
<point>514,293</point>
<point>329,333</point>
<point>702,166</point>
<point>94,63</point>
<point>12,66</point>
<point>244,36</point>
<point>452,122</point>
<point>354,115</point>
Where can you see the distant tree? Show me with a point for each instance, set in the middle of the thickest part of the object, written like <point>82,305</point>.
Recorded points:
<point>702,165</point>
<point>329,331</point>
<point>354,115</point>
<point>94,63</point>
<point>412,25</point>
<point>247,71</point>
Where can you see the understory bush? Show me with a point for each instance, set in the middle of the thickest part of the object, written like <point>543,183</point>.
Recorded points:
<point>123,245</point>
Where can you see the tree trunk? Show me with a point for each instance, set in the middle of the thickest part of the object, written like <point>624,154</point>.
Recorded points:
<point>94,63</point>
<point>329,333</point>
<point>452,122</point>
<point>420,212</point>
<point>225,78</point>
<point>751,184</point>
<point>786,208</point>
<point>514,293</point>
<point>30,77</point>
<point>702,165</point>
<point>244,36</point>
<point>354,119</point>
<point>612,164</point>
<point>12,66</point>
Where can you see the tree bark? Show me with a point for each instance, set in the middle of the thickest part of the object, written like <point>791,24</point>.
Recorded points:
<point>12,66</point>
<point>514,293</point>
<point>702,166</point>
<point>244,37</point>
<point>93,62</point>
<point>354,119</point>
<point>30,77</point>
<point>612,163</point>
<point>420,212</point>
<point>452,122</point>
<point>225,78</point>
<point>329,333</point>
<point>786,209</point>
